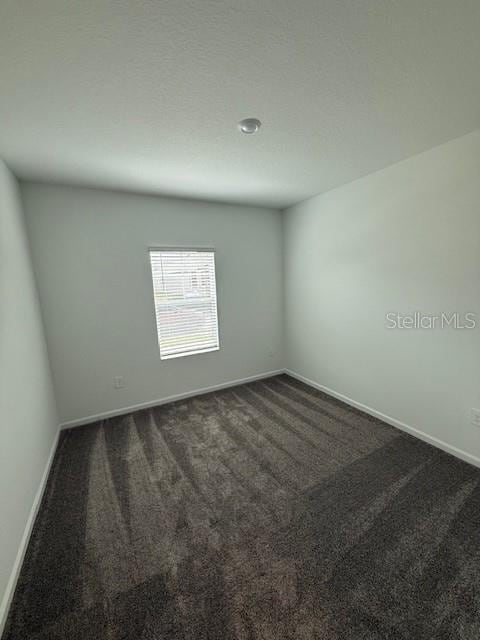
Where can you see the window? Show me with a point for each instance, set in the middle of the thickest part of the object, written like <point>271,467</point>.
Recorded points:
<point>185,299</point>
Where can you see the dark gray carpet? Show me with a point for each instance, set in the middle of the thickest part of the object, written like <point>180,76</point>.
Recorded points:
<point>266,511</point>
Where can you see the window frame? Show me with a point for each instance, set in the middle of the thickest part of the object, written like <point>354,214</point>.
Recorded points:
<point>183,248</point>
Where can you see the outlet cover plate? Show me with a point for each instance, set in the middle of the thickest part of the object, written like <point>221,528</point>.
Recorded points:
<point>475,417</point>
<point>118,382</point>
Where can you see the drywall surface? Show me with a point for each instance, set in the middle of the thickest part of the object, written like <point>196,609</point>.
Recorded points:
<point>28,415</point>
<point>405,239</point>
<point>90,251</point>
<point>145,96</point>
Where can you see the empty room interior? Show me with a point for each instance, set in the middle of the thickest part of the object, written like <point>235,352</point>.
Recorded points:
<point>239,320</point>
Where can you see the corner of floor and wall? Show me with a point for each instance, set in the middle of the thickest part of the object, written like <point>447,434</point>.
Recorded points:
<point>405,239</point>
<point>29,417</point>
<point>305,291</point>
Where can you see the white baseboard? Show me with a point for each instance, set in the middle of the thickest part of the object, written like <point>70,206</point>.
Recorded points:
<point>17,566</point>
<point>440,444</point>
<point>436,442</point>
<point>179,396</point>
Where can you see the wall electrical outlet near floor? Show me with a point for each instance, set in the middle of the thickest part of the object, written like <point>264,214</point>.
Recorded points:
<point>119,383</point>
<point>475,417</point>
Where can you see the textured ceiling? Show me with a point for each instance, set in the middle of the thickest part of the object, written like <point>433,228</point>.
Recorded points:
<point>145,95</point>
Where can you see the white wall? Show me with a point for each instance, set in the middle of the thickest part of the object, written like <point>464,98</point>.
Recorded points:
<point>27,408</point>
<point>404,239</point>
<point>91,261</point>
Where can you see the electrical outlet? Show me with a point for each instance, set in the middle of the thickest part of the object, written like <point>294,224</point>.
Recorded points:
<point>118,382</point>
<point>475,417</point>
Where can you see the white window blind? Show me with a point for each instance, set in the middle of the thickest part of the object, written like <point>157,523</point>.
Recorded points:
<point>185,298</point>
